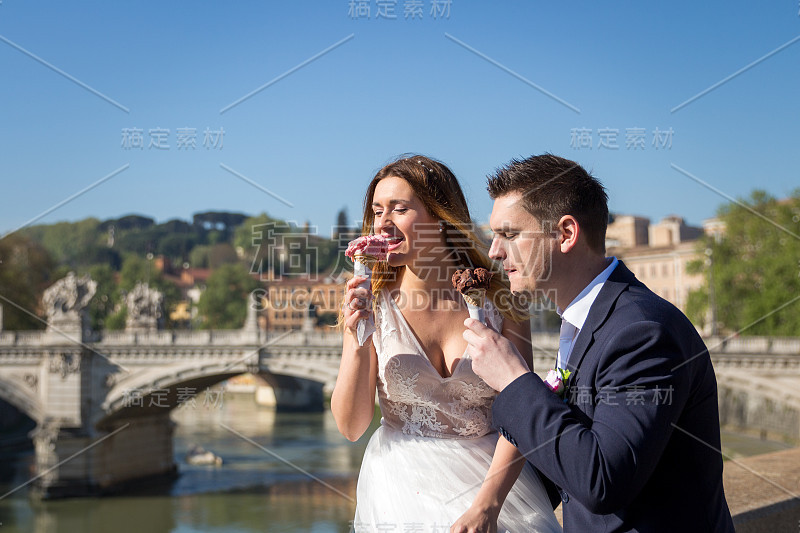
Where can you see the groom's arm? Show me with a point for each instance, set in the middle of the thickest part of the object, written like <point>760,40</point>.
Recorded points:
<point>603,462</point>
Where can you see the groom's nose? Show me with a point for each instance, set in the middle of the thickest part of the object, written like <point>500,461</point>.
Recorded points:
<point>496,251</point>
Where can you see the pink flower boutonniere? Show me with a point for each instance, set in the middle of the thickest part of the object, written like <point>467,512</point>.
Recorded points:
<point>557,380</point>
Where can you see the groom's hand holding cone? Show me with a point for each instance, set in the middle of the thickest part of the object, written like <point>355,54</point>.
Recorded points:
<point>494,358</point>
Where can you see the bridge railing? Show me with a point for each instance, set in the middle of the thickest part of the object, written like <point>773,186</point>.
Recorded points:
<point>542,342</point>
<point>305,338</point>
<point>220,338</point>
<point>155,338</point>
<point>22,338</point>
<point>178,338</point>
<point>754,345</point>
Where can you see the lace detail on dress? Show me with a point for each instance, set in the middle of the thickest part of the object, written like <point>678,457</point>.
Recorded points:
<point>468,407</point>
<point>413,397</point>
<point>403,389</point>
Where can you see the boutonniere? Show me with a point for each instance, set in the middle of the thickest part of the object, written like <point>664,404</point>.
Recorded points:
<point>557,380</point>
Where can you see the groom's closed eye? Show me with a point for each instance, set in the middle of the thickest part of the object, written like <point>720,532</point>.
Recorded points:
<point>506,234</point>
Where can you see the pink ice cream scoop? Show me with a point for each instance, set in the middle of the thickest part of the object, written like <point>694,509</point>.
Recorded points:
<point>366,252</point>
<point>371,246</point>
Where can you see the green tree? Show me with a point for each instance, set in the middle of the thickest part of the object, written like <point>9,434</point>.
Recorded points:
<point>213,256</point>
<point>249,230</point>
<point>285,248</point>
<point>106,297</point>
<point>221,224</point>
<point>223,305</point>
<point>221,254</point>
<point>200,256</point>
<point>755,268</point>
<point>256,237</point>
<point>70,243</point>
<point>137,269</point>
<point>176,246</point>
<point>116,320</point>
<point>25,270</point>
<point>342,226</point>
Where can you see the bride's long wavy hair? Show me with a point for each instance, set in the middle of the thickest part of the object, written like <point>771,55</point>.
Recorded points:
<point>438,189</point>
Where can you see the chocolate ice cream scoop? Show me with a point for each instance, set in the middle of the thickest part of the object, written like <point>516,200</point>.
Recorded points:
<point>470,279</point>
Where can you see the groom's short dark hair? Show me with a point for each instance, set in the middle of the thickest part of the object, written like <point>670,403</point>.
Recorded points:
<point>552,187</point>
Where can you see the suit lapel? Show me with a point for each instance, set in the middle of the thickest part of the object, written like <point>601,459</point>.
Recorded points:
<point>618,281</point>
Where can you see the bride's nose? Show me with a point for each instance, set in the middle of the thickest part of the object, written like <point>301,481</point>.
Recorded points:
<point>381,221</point>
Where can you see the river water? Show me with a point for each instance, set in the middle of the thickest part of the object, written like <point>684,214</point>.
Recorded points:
<point>281,472</point>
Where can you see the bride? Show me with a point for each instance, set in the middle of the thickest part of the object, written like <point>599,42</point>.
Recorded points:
<point>434,464</point>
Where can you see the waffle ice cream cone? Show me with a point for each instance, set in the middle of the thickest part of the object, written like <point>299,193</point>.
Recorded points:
<point>368,261</point>
<point>475,297</point>
<point>366,252</point>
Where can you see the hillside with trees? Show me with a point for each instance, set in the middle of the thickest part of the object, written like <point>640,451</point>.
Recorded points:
<point>228,255</point>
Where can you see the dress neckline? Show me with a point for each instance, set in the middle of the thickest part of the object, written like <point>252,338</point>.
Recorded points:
<point>420,349</point>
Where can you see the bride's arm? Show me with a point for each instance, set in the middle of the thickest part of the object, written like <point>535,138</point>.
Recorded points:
<point>353,397</point>
<point>507,462</point>
<point>482,515</point>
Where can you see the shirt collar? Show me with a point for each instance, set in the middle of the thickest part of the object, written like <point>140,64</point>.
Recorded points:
<point>577,311</point>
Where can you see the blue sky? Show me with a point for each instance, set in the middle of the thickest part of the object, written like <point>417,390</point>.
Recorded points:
<point>440,86</point>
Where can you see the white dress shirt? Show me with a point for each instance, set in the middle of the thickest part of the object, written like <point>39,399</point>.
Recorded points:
<point>574,316</point>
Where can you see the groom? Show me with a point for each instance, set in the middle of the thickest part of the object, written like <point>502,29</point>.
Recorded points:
<point>634,445</point>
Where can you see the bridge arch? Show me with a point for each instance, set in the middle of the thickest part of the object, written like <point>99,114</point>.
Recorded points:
<point>20,395</point>
<point>759,403</point>
<point>149,393</point>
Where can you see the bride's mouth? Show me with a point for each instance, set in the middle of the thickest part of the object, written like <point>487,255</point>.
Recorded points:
<point>394,243</point>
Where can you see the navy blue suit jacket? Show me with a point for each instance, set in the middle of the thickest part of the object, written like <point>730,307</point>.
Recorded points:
<point>636,444</point>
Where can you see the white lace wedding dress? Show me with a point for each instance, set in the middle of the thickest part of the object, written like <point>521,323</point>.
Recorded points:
<point>424,465</point>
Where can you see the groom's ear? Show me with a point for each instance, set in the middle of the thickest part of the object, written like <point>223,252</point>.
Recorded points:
<point>568,233</point>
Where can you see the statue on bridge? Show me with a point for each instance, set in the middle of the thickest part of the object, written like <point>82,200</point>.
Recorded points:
<point>144,308</point>
<point>66,299</point>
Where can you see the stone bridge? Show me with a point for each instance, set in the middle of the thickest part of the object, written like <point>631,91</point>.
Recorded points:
<point>112,392</point>
<point>101,401</point>
<point>81,389</point>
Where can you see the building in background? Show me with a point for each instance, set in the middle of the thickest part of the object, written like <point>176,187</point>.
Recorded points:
<point>627,231</point>
<point>658,254</point>
<point>301,303</point>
